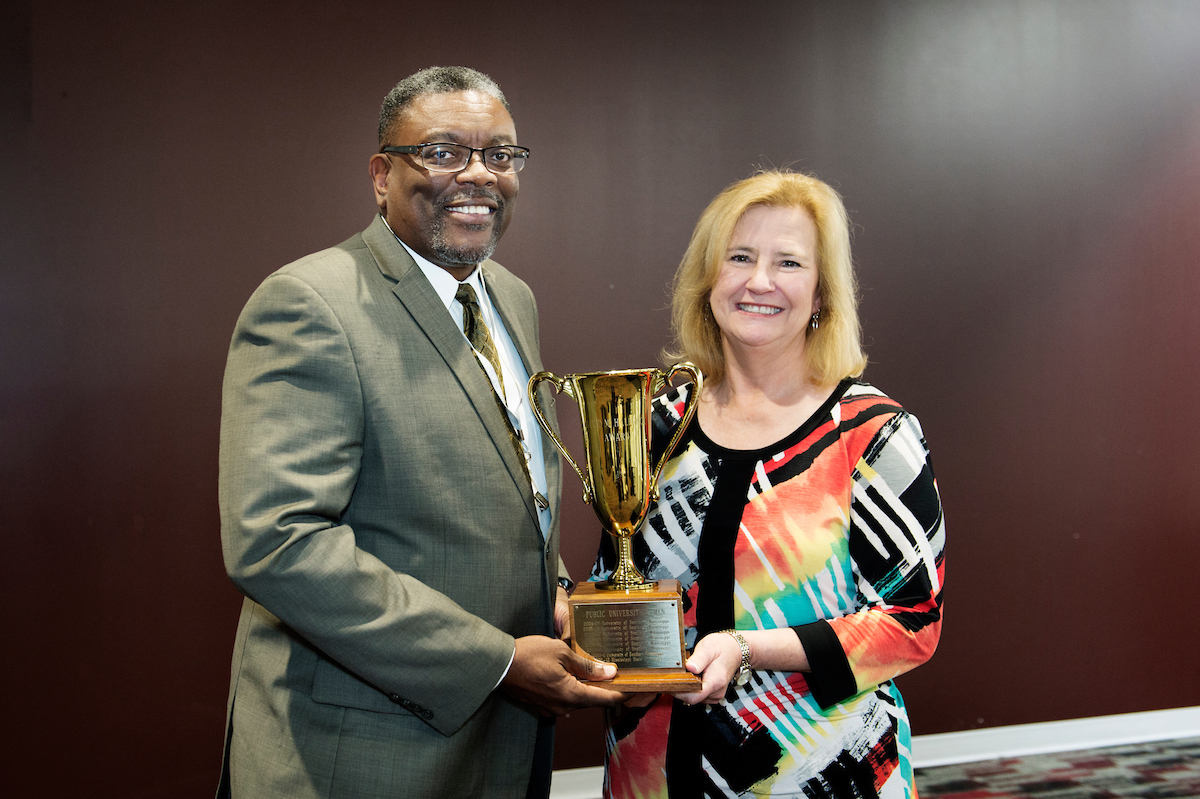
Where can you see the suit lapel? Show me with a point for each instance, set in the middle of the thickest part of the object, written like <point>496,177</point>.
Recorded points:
<point>422,303</point>
<point>508,301</point>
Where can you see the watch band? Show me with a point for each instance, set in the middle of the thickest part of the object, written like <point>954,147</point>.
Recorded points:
<point>742,676</point>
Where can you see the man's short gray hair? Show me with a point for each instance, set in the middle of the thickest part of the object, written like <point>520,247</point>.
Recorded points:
<point>434,80</point>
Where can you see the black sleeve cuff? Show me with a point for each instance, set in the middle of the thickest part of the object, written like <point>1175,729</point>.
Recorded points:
<point>830,678</point>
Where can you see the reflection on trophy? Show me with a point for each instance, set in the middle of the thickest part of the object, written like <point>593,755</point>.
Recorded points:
<point>627,620</point>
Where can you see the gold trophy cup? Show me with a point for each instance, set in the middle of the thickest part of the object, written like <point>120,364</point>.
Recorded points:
<point>627,620</point>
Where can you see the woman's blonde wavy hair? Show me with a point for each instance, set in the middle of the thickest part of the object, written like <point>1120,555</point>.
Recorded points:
<point>834,350</point>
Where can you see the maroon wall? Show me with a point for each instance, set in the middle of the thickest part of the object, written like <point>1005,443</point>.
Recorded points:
<point>1024,179</point>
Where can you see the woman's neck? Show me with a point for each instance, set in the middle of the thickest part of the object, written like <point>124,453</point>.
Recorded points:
<point>758,403</point>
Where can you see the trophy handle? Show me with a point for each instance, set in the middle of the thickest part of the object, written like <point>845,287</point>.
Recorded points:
<point>561,386</point>
<point>689,410</point>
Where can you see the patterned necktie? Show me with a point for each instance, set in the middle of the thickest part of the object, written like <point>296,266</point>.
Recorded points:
<point>477,333</point>
<point>476,330</point>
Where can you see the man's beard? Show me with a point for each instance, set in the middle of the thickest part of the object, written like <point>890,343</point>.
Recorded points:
<point>446,253</point>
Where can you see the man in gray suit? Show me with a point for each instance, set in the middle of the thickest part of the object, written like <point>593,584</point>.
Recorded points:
<point>388,503</point>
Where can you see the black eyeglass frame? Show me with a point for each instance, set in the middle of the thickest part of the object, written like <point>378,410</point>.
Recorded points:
<point>521,153</point>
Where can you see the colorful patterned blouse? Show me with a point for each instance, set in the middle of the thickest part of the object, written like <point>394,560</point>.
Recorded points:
<point>836,532</point>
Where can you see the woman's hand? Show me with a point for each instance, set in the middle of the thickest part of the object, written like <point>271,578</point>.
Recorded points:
<point>716,659</point>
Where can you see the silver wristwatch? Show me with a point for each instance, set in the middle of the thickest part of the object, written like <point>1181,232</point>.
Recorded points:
<point>742,676</point>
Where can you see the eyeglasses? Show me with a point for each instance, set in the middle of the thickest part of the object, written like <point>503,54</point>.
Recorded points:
<point>502,159</point>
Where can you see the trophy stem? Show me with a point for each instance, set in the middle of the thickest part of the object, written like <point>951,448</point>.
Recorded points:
<point>626,576</point>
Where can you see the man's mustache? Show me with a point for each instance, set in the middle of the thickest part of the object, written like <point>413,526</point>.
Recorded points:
<point>473,194</point>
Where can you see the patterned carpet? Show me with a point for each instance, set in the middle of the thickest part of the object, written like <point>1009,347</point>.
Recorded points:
<point>1141,771</point>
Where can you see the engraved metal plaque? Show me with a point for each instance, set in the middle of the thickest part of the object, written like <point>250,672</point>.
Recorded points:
<point>640,630</point>
<point>639,635</point>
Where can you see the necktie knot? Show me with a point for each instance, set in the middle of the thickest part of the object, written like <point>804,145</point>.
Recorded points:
<point>472,316</point>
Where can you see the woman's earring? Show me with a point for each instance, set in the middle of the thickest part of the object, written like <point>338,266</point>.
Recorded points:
<point>815,321</point>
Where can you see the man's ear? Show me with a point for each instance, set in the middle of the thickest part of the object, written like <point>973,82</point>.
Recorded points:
<point>380,166</point>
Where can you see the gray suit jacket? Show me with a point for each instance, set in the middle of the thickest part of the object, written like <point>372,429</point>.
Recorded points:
<point>375,515</point>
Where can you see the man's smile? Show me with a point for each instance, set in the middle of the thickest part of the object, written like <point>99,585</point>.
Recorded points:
<point>471,209</point>
<point>475,207</point>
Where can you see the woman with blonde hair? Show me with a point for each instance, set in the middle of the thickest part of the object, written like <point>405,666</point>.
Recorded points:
<point>800,514</point>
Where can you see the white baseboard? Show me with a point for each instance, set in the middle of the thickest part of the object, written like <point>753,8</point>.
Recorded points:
<point>577,783</point>
<point>1018,740</point>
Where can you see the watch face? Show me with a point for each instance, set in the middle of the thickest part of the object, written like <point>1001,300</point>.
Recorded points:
<point>742,677</point>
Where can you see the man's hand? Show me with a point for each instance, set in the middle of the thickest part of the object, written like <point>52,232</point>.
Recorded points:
<point>545,673</point>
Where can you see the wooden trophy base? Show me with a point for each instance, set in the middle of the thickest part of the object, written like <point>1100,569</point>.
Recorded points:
<point>640,631</point>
